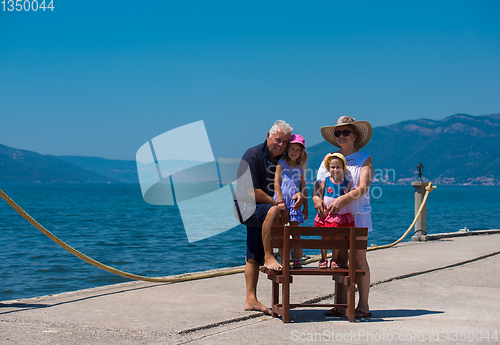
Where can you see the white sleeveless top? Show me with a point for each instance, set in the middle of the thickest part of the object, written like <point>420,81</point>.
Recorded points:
<point>354,164</point>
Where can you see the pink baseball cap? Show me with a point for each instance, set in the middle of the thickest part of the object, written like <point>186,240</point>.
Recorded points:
<point>297,139</point>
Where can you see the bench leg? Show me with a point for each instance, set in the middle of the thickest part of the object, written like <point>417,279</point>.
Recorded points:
<point>351,296</point>
<point>275,299</point>
<point>340,298</point>
<point>285,300</point>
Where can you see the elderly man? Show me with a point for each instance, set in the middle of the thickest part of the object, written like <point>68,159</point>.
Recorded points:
<point>264,213</point>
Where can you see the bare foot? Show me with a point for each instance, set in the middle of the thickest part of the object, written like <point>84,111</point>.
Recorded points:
<point>257,306</point>
<point>363,309</point>
<point>272,264</point>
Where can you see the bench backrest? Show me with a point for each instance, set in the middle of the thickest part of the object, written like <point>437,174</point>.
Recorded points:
<point>345,238</point>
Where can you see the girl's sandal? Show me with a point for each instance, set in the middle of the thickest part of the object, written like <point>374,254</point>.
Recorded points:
<point>296,265</point>
<point>358,314</point>
<point>323,264</point>
<point>334,265</point>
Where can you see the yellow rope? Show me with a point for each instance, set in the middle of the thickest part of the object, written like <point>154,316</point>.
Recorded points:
<point>105,267</point>
<point>428,190</point>
<point>95,263</point>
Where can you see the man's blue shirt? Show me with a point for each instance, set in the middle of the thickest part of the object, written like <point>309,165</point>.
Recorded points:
<point>261,167</point>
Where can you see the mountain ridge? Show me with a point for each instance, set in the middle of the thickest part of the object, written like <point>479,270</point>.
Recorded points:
<point>23,166</point>
<point>458,149</point>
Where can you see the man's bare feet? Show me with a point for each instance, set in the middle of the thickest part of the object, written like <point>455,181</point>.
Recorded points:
<point>257,306</point>
<point>272,264</point>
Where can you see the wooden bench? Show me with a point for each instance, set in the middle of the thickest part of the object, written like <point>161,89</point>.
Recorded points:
<point>346,238</point>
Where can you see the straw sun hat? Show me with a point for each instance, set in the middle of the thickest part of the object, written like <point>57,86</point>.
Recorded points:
<point>364,128</point>
<point>334,155</point>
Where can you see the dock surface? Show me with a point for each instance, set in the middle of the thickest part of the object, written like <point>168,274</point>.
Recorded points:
<point>442,291</point>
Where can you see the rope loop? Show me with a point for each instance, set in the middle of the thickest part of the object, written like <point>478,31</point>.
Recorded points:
<point>428,189</point>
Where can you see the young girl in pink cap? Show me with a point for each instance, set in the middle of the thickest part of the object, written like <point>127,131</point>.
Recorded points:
<point>289,180</point>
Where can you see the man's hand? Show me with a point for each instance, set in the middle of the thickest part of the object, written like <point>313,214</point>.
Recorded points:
<point>282,206</point>
<point>284,216</point>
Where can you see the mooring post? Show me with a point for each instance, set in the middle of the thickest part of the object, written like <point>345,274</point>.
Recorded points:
<point>421,224</point>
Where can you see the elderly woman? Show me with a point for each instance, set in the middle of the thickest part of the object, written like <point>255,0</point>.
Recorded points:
<point>350,136</point>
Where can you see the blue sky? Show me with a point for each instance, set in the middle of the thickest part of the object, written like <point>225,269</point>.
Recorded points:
<point>99,78</point>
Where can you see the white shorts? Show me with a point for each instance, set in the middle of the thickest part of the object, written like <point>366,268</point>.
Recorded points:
<point>363,220</point>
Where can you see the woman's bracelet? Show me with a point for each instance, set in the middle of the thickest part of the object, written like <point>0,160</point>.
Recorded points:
<point>281,201</point>
<point>346,199</point>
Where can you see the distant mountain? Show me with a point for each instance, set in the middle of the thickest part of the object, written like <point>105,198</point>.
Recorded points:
<point>460,149</point>
<point>124,171</point>
<point>28,167</point>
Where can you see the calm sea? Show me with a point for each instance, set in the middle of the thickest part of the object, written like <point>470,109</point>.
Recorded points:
<point>113,225</point>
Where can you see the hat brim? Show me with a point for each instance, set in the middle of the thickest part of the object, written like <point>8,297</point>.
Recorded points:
<point>364,128</point>
<point>332,156</point>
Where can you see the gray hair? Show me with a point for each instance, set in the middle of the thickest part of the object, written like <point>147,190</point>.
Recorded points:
<point>285,127</point>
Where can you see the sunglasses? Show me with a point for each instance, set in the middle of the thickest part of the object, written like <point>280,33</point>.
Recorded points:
<point>345,133</point>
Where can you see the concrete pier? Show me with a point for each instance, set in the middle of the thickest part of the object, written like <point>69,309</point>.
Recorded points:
<point>445,291</point>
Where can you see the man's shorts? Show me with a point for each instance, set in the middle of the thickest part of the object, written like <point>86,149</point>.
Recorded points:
<point>255,248</point>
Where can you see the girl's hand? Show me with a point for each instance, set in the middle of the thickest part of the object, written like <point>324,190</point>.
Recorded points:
<point>305,212</point>
<point>299,200</point>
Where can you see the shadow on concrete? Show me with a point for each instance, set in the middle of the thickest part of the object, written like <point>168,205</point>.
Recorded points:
<point>30,306</point>
<point>23,305</point>
<point>390,313</point>
<point>316,315</point>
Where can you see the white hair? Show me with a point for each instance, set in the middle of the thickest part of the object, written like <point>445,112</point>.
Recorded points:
<point>285,127</point>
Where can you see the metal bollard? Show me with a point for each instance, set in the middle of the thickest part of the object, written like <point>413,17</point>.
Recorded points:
<point>421,224</point>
